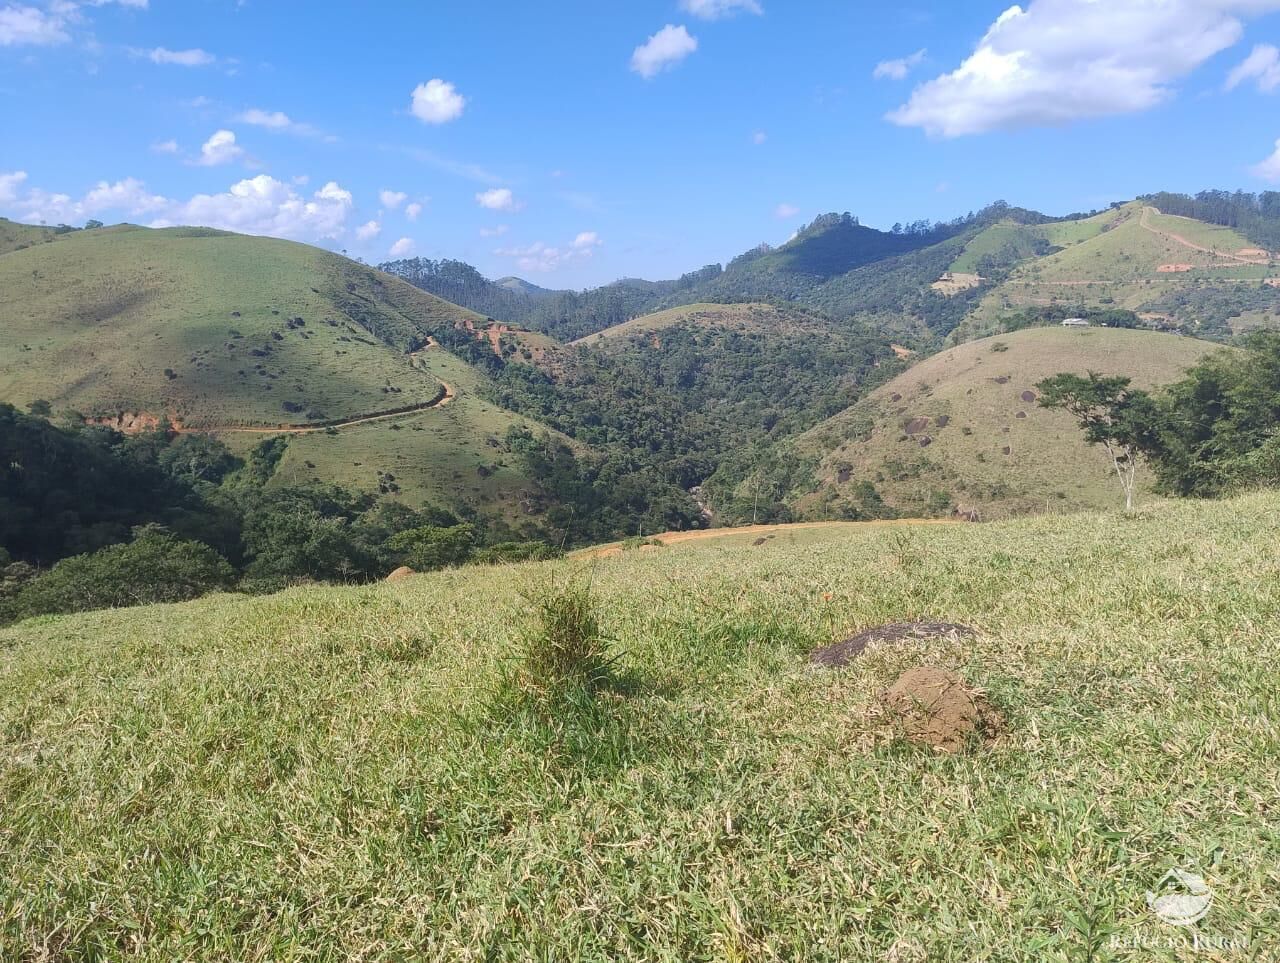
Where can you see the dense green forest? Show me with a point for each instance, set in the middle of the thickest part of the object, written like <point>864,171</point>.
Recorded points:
<point>92,518</point>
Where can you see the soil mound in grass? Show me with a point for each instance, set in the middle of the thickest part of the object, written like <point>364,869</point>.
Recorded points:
<point>841,654</point>
<point>403,572</point>
<point>936,708</point>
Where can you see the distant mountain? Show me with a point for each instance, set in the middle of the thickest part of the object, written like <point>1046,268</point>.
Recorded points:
<point>521,286</point>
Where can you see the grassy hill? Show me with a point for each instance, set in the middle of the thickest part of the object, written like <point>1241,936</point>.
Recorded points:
<point>962,429</point>
<point>15,236</point>
<point>739,317</point>
<point>342,773</point>
<point>1134,257</point>
<point>241,336</point>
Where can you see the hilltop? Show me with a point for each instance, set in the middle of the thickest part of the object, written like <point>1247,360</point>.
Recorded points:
<point>347,773</point>
<point>962,430</point>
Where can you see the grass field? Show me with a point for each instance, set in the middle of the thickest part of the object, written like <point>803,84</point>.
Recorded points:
<point>450,456</point>
<point>15,236</point>
<point>976,438</point>
<point>210,328</point>
<point>340,774</point>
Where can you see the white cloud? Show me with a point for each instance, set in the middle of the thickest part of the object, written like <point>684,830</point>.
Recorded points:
<point>9,184</point>
<point>715,9</point>
<point>498,199</point>
<point>392,199</point>
<point>1059,61</point>
<point>128,197</point>
<point>542,258</point>
<point>1263,65</point>
<point>271,119</point>
<point>1269,169</point>
<point>898,69</point>
<point>264,205</point>
<point>221,148</point>
<point>194,57</point>
<point>413,210</point>
<point>367,232</point>
<point>785,211</point>
<point>402,248</point>
<point>260,205</point>
<point>165,147</point>
<point>437,102</point>
<point>662,51</point>
<point>31,25</point>
<point>498,231</point>
<point>759,137</point>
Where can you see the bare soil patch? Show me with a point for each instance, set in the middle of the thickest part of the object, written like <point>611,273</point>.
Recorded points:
<point>403,572</point>
<point>916,425</point>
<point>933,707</point>
<point>840,654</point>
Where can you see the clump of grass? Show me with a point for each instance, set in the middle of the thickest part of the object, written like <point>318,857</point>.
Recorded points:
<point>566,652</point>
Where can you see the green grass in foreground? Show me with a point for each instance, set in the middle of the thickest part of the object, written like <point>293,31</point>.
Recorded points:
<point>328,774</point>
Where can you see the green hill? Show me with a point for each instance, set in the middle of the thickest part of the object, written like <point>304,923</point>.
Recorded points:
<point>962,430</point>
<point>342,773</point>
<point>15,236</point>
<point>246,336</point>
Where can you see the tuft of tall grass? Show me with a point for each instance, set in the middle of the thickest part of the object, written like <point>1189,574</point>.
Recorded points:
<point>566,651</point>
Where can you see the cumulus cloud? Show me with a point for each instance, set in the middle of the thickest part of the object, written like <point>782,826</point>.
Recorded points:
<point>413,210</point>
<point>392,199</point>
<point>259,205</point>
<point>785,211</point>
<point>715,9</point>
<point>194,57</point>
<point>662,51</point>
<point>898,69</point>
<point>402,248</point>
<point>368,231</point>
<point>1060,61</point>
<point>21,25</point>
<point>498,199</point>
<point>1269,169</point>
<point>1262,66</point>
<point>221,148</point>
<point>437,102</point>
<point>264,205</point>
<point>543,258</point>
<point>10,183</point>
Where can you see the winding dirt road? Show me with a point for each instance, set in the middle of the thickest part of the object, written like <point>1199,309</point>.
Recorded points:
<point>1145,223</point>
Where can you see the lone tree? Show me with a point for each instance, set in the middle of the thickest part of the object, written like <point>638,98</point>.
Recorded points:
<point>1112,414</point>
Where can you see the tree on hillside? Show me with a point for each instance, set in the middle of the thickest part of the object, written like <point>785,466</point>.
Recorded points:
<point>1112,414</point>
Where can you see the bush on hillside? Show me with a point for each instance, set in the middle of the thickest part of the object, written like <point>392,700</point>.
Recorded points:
<point>432,547</point>
<point>156,566</point>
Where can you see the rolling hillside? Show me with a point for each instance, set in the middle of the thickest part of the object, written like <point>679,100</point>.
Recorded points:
<point>962,430</point>
<point>245,337</point>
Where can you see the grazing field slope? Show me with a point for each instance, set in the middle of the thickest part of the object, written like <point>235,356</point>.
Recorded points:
<point>210,329</point>
<point>340,773</point>
<point>963,430</point>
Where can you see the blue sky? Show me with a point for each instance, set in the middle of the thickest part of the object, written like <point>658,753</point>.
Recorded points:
<point>577,142</point>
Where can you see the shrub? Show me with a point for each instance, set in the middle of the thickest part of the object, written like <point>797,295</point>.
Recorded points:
<point>156,566</point>
<point>432,547</point>
<point>507,552</point>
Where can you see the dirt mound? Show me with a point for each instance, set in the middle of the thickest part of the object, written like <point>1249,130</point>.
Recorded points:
<point>916,425</point>
<point>842,653</point>
<point>934,707</point>
<point>403,572</point>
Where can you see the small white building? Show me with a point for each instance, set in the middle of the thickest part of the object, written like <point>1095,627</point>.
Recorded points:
<point>1075,323</point>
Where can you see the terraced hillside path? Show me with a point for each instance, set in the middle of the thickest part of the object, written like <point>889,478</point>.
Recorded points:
<point>703,534</point>
<point>447,394</point>
<point>1179,239</point>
